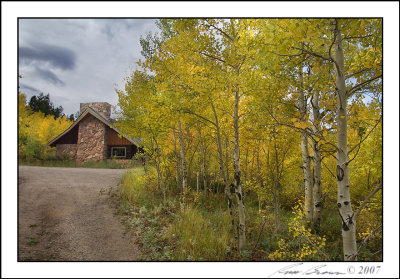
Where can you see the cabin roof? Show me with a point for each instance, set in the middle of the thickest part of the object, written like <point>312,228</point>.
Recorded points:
<point>107,121</point>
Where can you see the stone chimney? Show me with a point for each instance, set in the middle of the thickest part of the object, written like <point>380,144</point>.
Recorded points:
<point>101,107</point>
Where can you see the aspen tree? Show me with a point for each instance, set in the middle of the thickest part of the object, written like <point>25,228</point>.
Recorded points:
<point>183,158</point>
<point>342,169</point>
<point>305,155</point>
<point>317,188</point>
<point>176,159</point>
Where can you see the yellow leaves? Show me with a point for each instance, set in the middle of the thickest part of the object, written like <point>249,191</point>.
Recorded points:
<point>302,125</point>
<point>325,133</point>
<point>300,235</point>
<point>362,27</point>
<point>38,129</point>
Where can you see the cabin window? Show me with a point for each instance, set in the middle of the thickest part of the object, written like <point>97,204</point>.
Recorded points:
<point>118,152</point>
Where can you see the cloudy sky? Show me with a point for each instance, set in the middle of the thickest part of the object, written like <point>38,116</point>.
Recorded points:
<point>78,60</point>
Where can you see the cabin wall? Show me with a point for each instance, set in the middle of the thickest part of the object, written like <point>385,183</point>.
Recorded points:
<point>69,138</point>
<point>113,138</point>
<point>66,151</point>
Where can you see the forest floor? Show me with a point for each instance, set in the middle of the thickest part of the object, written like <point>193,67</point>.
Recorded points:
<point>66,214</point>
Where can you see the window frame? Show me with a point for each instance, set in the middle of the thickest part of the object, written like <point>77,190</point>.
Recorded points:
<point>119,147</point>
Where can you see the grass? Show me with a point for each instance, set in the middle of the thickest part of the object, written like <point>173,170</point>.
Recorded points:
<point>109,164</point>
<point>198,235</point>
<point>172,230</point>
<point>199,229</point>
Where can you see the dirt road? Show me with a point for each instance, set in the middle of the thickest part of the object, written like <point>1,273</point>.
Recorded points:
<point>65,214</point>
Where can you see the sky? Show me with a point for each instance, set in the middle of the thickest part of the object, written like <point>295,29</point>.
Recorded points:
<point>79,60</point>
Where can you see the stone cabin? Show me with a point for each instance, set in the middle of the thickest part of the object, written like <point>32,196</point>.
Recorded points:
<point>93,137</point>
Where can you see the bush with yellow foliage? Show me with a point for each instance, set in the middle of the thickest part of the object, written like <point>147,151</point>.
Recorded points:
<point>35,130</point>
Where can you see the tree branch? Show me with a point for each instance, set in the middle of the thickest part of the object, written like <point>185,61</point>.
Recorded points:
<point>198,115</point>
<point>361,141</point>
<point>358,86</point>
<point>356,73</point>
<point>220,30</point>
<point>259,235</point>
<point>330,47</point>
<point>309,133</point>
<point>365,241</point>
<point>328,169</point>
<point>348,162</point>
<point>212,57</point>
<point>357,37</point>
<point>378,187</point>
<point>313,54</point>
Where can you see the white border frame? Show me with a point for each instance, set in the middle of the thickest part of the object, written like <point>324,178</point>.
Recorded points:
<point>12,10</point>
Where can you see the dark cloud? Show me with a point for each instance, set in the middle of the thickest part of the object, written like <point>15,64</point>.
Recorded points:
<point>58,57</point>
<point>24,87</point>
<point>49,76</point>
<point>79,60</point>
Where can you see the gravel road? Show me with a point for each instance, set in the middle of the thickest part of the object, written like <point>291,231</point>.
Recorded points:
<point>65,214</point>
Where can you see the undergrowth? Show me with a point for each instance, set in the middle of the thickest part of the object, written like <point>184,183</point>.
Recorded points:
<point>199,229</point>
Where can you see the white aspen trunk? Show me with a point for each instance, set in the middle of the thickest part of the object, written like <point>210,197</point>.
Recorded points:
<point>342,169</point>
<point>252,166</point>
<point>221,164</point>
<point>183,160</point>
<point>159,175</point>
<point>305,155</point>
<point>317,188</point>
<point>237,176</point>
<point>275,191</point>
<point>276,205</point>
<point>162,182</point>
<point>259,178</point>
<point>227,157</point>
<point>204,167</point>
<point>176,160</point>
<point>245,173</point>
<point>146,162</point>
<point>197,181</point>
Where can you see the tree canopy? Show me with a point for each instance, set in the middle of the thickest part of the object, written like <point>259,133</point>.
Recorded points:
<point>280,110</point>
<point>42,103</point>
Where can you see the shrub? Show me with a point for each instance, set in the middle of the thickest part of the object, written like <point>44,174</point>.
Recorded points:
<point>301,243</point>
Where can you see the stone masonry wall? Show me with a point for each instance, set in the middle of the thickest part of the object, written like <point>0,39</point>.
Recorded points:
<point>66,151</point>
<point>92,144</point>
<point>101,107</point>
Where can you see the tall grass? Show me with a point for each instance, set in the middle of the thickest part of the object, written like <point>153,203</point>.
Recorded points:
<point>201,236</point>
<point>132,186</point>
<point>140,189</point>
<point>199,229</point>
